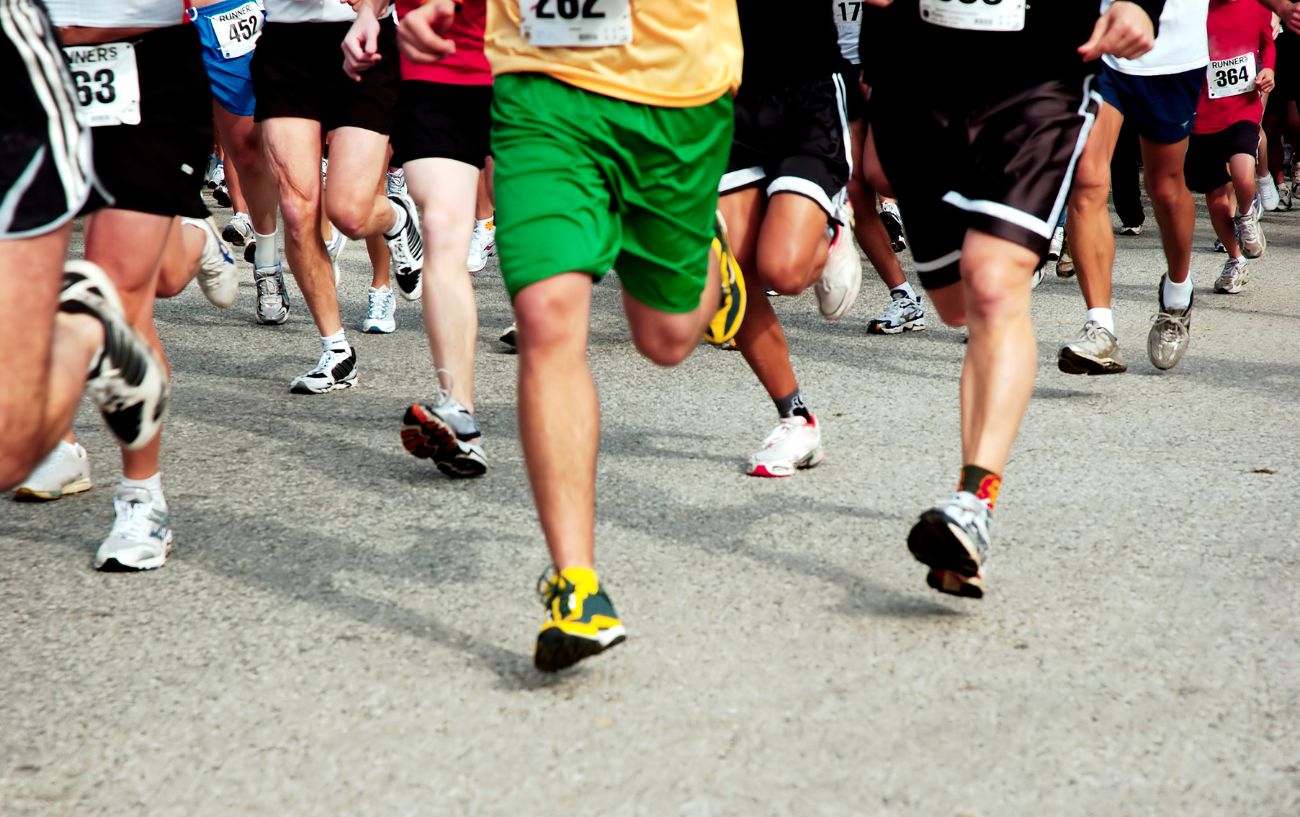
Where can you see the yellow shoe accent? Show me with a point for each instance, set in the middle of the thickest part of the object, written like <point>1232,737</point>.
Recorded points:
<point>731,311</point>
<point>580,619</point>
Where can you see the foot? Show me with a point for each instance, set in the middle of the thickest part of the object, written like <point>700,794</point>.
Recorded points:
<point>334,247</point>
<point>407,250</point>
<point>580,620</point>
<point>841,279</point>
<point>731,306</point>
<point>1171,332</point>
<point>893,221</point>
<point>510,337</point>
<point>126,380</point>
<point>272,300</point>
<point>334,371</point>
<point>446,433</point>
<point>1094,351</point>
<point>217,275</point>
<point>1134,229</point>
<point>380,309</point>
<point>141,537</point>
<point>1065,263</point>
<point>1219,247</point>
<point>1249,234</point>
<point>1054,248</point>
<point>952,539</point>
<point>1233,277</point>
<point>482,245</point>
<point>239,231</point>
<point>1268,192</point>
<point>221,195</point>
<point>904,314</point>
<point>65,470</point>
<point>794,444</point>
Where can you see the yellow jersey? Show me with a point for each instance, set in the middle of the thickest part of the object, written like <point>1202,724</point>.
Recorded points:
<point>671,53</point>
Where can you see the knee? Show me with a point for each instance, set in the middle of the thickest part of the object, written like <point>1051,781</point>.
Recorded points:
<point>786,273</point>
<point>440,229</point>
<point>1091,184</point>
<point>351,214</point>
<point>995,291</point>
<point>663,349</point>
<point>544,325</point>
<point>948,302</point>
<point>169,286</point>
<point>300,215</point>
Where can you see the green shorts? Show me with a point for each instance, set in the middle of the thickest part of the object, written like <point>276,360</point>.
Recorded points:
<point>588,183</point>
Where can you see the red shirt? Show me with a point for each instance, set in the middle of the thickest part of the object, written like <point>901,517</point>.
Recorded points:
<point>1236,28</point>
<point>469,65</point>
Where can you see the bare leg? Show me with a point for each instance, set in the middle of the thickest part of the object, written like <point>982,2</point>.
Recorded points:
<point>868,227</point>
<point>180,259</point>
<point>242,140</point>
<point>1222,209</point>
<point>1172,201</point>
<point>1092,236</point>
<point>792,244</point>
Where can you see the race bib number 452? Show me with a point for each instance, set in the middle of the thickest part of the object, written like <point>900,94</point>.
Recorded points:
<point>576,23</point>
<point>108,83</point>
<point>1231,77</point>
<point>237,30</point>
<point>975,15</point>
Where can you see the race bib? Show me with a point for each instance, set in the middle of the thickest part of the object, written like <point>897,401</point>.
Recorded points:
<point>108,83</point>
<point>1231,77</point>
<point>237,30</point>
<point>975,15</point>
<point>576,23</point>
<point>848,15</point>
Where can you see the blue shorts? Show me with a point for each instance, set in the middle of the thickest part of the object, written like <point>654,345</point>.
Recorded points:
<point>230,77</point>
<point>1162,107</point>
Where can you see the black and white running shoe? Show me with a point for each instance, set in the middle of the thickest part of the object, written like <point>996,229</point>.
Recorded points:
<point>407,249</point>
<point>952,539</point>
<point>510,337</point>
<point>126,380</point>
<point>335,370</point>
<point>446,433</point>
<point>272,301</point>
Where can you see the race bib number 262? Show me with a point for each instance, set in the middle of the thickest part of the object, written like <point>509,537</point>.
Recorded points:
<point>108,83</point>
<point>576,23</point>
<point>975,15</point>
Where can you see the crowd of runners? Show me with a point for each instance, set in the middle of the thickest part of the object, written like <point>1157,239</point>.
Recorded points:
<point>715,154</point>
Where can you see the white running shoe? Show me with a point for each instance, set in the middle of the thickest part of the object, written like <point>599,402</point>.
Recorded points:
<point>334,371</point>
<point>510,337</point>
<point>335,248</point>
<point>218,176</point>
<point>1054,249</point>
<point>841,277</point>
<point>795,443</point>
<point>217,276</point>
<point>211,171</point>
<point>239,231</point>
<point>380,307</point>
<point>482,245</point>
<point>272,300</point>
<point>395,183</point>
<point>141,537</point>
<point>407,250</point>
<point>1249,234</point>
<point>1268,192</point>
<point>903,314</point>
<point>1233,278</point>
<point>65,470</point>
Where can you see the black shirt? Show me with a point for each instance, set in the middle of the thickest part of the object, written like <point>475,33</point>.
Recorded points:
<point>788,41</point>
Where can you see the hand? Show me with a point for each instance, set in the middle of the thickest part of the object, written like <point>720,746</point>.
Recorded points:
<point>1124,31</point>
<point>1291,18</point>
<point>420,34</point>
<point>355,4</point>
<point>361,45</point>
<point>1264,81</point>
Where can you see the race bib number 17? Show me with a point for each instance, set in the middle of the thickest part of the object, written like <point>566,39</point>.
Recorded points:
<point>576,23</point>
<point>975,15</point>
<point>108,83</point>
<point>1231,77</point>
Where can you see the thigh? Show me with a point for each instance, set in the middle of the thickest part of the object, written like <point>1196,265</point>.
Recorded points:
<point>1093,170</point>
<point>293,152</point>
<point>445,191</point>
<point>128,245</point>
<point>31,271</point>
<point>358,160</point>
<point>794,228</point>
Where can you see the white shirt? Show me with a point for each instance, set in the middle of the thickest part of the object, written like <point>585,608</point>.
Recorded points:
<point>1182,44</point>
<point>117,13</point>
<point>309,11</point>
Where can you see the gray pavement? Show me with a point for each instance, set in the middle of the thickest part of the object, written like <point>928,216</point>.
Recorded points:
<point>342,631</point>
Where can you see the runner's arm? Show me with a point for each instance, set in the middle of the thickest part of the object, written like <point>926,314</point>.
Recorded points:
<point>1126,30</point>
<point>1286,9</point>
<point>361,44</point>
<point>420,35</point>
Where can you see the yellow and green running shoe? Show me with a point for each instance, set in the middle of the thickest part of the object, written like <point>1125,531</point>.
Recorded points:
<point>580,619</point>
<point>731,309</point>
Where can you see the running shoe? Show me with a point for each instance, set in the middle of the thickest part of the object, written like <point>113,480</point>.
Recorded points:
<point>1094,351</point>
<point>272,300</point>
<point>1233,278</point>
<point>334,371</point>
<point>380,306</point>
<point>580,619</point>
<point>1065,262</point>
<point>65,470</point>
<point>795,443</point>
<point>218,177</point>
<point>893,221</point>
<point>1268,192</point>
<point>217,275</point>
<point>141,538</point>
<point>903,314</point>
<point>952,539</point>
<point>1219,247</point>
<point>209,175</point>
<point>395,183</point>
<point>250,251</point>
<point>731,307</point>
<point>1249,234</point>
<point>1171,332</point>
<point>335,248</point>
<point>1037,277</point>
<point>1133,230</point>
<point>1285,194</point>
<point>510,337</point>
<point>1054,248</point>
<point>407,250</point>
<point>482,246</point>
<point>841,279</point>
<point>446,433</point>
<point>239,231</point>
<point>126,380</point>
<point>221,195</point>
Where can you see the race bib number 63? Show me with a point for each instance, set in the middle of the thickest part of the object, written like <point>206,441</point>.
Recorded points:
<point>108,83</point>
<point>975,15</point>
<point>576,23</point>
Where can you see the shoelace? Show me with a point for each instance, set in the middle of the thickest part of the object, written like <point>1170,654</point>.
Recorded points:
<point>786,427</point>
<point>132,522</point>
<point>551,587</point>
<point>897,309</point>
<point>327,360</point>
<point>377,302</point>
<point>1173,328</point>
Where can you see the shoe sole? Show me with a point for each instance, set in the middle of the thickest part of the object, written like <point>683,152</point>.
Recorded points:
<point>77,486</point>
<point>425,436</point>
<point>557,650</point>
<point>232,236</point>
<point>1071,362</point>
<point>337,385</point>
<point>811,460</point>
<point>911,326</point>
<point>953,561</point>
<point>376,329</point>
<point>116,566</point>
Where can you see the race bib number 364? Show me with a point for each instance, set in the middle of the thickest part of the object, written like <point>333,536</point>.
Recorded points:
<point>975,15</point>
<point>108,83</point>
<point>1231,77</point>
<point>576,23</point>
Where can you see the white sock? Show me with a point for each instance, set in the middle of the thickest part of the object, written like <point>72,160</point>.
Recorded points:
<point>267,251</point>
<point>1177,296</point>
<point>482,223</point>
<point>151,484</point>
<point>399,218</point>
<point>1104,316</point>
<point>906,289</point>
<point>337,342</point>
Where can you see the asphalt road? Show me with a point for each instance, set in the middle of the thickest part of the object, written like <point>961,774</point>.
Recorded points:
<point>342,631</point>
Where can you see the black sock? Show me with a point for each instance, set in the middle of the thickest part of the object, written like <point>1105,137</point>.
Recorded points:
<point>791,405</point>
<point>981,482</point>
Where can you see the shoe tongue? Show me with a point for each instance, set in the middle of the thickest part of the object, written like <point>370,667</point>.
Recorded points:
<point>583,578</point>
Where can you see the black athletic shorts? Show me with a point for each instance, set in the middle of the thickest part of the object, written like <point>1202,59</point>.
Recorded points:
<point>1206,165</point>
<point>792,139</point>
<point>298,73</point>
<point>855,104</point>
<point>436,120</point>
<point>1006,169</point>
<point>155,166</point>
<point>45,155</point>
<point>1287,73</point>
